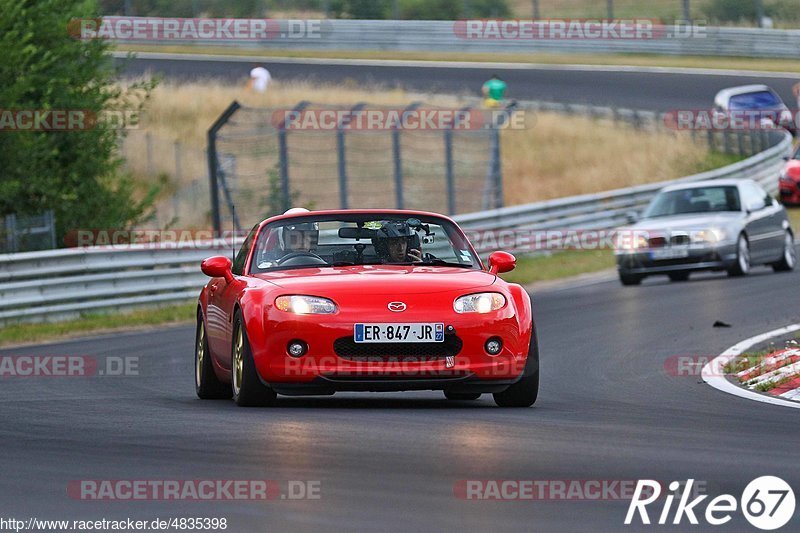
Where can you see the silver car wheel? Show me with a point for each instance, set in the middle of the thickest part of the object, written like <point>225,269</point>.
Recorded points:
<point>789,253</point>
<point>744,255</point>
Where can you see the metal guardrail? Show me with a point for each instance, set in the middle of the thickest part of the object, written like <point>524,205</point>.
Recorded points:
<point>59,284</point>
<point>450,36</point>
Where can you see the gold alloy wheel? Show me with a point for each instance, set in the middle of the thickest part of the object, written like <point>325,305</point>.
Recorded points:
<point>238,361</point>
<point>201,354</point>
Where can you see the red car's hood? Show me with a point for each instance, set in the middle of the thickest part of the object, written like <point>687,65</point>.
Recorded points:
<point>379,279</point>
<point>792,169</point>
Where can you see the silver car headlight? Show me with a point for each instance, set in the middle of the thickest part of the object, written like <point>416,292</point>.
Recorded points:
<point>708,236</point>
<point>483,302</point>
<point>305,305</point>
<point>629,241</point>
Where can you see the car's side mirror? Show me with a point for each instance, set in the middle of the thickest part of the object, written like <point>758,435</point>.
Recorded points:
<point>631,217</point>
<point>500,262</point>
<point>218,266</point>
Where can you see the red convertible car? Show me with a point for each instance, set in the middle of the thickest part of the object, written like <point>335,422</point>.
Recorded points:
<point>363,300</point>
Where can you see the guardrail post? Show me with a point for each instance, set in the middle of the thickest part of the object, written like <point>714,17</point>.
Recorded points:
<point>726,141</point>
<point>213,164</point>
<point>342,152</point>
<point>283,155</point>
<point>740,142</point>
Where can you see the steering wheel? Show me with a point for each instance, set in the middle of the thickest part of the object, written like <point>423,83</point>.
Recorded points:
<point>292,255</point>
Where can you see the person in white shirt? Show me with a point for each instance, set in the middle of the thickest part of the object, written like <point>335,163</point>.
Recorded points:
<point>259,79</point>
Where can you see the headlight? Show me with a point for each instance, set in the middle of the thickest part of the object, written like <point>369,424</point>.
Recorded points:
<point>483,302</point>
<point>305,305</point>
<point>631,240</point>
<point>708,236</point>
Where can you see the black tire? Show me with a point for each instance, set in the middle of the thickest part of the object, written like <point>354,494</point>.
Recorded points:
<point>789,259</point>
<point>206,383</point>
<point>630,279</point>
<point>246,387</point>
<point>462,396</point>
<point>524,392</point>
<point>741,267</point>
<point>679,276</point>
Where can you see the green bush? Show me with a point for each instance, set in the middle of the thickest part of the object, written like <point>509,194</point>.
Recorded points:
<point>730,10</point>
<point>75,173</point>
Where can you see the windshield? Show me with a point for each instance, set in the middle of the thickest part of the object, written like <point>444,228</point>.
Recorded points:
<point>346,240</point>
<point>694,200</point>
<point>757,100</point>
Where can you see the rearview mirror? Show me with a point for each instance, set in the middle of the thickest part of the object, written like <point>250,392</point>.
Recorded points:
<point>218,266</point>
<point>500,262</point>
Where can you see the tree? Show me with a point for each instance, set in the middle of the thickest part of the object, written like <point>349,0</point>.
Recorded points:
<point>75,173</point>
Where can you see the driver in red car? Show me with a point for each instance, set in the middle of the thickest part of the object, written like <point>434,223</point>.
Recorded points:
<point>301,237</point>
<point>392,243</point>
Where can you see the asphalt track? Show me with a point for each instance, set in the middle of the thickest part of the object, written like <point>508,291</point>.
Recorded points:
<point>653,90</point>
<point>608,410</point>
<point>388,462</point>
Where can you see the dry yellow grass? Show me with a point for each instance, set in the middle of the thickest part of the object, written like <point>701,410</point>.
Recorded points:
<point>564,156</point>
<point>553,156</point>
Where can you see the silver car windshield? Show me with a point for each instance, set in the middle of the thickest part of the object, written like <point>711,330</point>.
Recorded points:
<point>694,200</point>
<point>361,240</point>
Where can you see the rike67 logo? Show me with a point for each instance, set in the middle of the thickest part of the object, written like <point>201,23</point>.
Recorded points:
<point>767,503</point>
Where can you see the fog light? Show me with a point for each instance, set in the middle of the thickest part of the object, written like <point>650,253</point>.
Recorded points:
<point>297,348</point>
<point>493,346</point>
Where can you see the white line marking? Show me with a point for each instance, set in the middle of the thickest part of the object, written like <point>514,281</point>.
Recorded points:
<point>720,383</point>
<point>454,64</point>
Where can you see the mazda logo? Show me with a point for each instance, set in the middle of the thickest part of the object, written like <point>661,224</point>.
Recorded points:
<point>397,307</point>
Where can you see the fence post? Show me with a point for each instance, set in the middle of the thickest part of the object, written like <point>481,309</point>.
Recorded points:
<point>448,158</point>
<point>610,4</point>
<point>283,156</point>
<point>342,151</point>
<point>213,163</point>
<point>51,222</point>
<point>178,173</point>
<point>398,158</point>
<point>148,148</point>
<point>11,228</point>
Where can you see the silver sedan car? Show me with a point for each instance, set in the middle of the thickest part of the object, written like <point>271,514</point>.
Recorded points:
<point>726,225</point>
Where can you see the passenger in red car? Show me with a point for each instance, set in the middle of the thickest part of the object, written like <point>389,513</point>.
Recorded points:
<point>392,243</point>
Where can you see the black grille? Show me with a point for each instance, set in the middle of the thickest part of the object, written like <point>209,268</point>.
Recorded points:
<point>347,348</point>
<point>679,239</point>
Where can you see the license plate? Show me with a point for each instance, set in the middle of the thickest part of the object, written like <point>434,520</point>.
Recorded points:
<point>399,332</point>
<point>669,253</point>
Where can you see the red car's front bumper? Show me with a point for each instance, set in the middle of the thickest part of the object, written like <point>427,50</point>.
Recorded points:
<point>790,191</point>
<point>334,362</point>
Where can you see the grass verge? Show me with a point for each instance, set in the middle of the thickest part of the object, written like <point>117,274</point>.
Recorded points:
<point>92,323</point>
<point>632,60</point>
<point>559,265</point>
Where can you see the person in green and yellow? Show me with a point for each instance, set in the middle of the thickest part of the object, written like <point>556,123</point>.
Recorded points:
<point>494,91</point>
